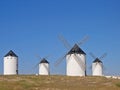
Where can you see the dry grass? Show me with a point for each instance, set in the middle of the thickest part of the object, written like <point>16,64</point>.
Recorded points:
<point>25,82</point>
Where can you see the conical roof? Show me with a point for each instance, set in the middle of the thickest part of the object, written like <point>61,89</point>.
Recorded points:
<point>44,61</point>
<point>76,49</point>
<point>11,53</point>
<point>97,60</point>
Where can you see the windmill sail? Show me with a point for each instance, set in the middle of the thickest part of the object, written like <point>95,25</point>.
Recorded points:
<point>75,59</point>
<point>97,65</point>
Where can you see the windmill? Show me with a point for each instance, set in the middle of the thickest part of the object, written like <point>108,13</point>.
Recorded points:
<point>97,65</point>
<point>43,66</point>
<point>10,63</point>
<point>75,59</point>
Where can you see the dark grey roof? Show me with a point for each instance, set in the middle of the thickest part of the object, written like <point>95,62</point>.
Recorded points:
<point>97,60</point>
<point>76,49</point>
<point>44,61</point>
<point>11,53</point>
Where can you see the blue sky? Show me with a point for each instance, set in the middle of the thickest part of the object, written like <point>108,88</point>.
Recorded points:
<point>31,28</point>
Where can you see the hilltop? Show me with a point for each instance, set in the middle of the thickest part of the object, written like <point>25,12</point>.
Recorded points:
<point>32,82</point>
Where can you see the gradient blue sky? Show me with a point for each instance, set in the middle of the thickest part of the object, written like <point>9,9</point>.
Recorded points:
<point>31,28</point>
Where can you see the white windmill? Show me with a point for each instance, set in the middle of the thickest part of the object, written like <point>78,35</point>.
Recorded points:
<point>44,68</point>
<point>75,59</point>
<point>97,65</point>
<point>10,63</point>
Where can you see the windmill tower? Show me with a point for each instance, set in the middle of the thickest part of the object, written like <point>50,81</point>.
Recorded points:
<point>76,62</point>
<point>10,63</point>
<point>75,59</point>
<point>44,67</point>
<point>97,65</point>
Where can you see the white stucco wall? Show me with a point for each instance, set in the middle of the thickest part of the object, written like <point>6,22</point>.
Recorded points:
<point>10,65</point>
<point>75,65</point>
<point>44,69</point>
<point>97,69</point>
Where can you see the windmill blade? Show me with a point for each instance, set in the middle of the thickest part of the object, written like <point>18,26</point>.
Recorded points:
<point>36,65</point>
<point>44,57</point>
<point>64,41</point>
<point>32,69</point>
<point>38,62</point>
<point>95,65</point>
<point>105,71</point>
<point>47,56</point>
<point>45,66</point>
<point>38,57</point>
<point>92,55</point>
<point>79,61</point>
<point>104,55</point>
<point>104,68</point>
<point>41,59</point>
<point>60,60</point>
<point>83,40</point>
